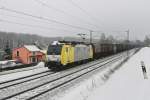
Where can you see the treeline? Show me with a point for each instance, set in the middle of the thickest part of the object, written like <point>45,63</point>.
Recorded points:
<point>147,40</point>
<point>18,39</point>
<point>13,40</point>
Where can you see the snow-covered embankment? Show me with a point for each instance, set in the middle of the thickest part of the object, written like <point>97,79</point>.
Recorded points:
<point>83,90</point>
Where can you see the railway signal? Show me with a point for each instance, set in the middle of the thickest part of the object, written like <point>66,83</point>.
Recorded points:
<point>127,41</point>
<point>144,70</point>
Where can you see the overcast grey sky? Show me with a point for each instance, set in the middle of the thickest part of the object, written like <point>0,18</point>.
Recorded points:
<point>108,16</point>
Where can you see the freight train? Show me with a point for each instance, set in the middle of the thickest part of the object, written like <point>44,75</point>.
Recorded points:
<point>64,53</point>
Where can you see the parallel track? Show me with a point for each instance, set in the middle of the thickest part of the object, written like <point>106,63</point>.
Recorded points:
<point>32,88</point>
<point>20,80</point>
<point>24,79</point>
<point>5,72</point>
<point>41,74</point>
<point>67,80</point>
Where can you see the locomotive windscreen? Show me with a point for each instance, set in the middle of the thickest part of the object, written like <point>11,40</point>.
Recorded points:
<point>54,49</point>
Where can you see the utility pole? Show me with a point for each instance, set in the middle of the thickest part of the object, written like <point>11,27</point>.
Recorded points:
<point>91,36</point>
<point>128,42</point>
<point>128,36</point>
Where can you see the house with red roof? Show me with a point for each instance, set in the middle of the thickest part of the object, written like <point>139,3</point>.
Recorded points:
<point>28,54</point>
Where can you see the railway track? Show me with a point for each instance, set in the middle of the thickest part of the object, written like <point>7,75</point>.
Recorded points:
<point>40,84</point>
<point>21,80</point>
<point>44,72</point>
<point>12,82</point>
<point>4,72</point>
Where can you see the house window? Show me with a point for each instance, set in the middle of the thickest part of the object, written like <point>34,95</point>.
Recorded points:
<point>17,53</point>
<point>33,53</point>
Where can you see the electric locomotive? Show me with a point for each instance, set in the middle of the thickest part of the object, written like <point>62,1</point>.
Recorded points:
<point>63,53</point>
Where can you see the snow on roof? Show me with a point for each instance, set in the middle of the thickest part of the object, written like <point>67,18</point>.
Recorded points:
<point>43,51</point>
<point>32,48</point>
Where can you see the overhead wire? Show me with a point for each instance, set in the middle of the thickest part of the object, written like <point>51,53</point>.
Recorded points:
<point>43,18</point>
<point>83,10</point>
<point>61,11</point>
<point>8,15</point>
<point>35,26</point>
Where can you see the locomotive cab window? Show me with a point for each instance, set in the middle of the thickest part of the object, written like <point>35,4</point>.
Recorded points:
<point>54,49</point>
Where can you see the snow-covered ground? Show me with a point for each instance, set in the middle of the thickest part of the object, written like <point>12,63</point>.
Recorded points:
<point>7,63</point>
<point>33,70</point>
<point>126,83</point>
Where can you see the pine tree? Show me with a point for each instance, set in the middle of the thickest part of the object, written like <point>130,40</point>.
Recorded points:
<point>8,51</point>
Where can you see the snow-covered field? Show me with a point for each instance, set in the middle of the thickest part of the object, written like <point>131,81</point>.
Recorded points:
<point>7,63</point>
<point>126,83</point>
<point>33,70</point>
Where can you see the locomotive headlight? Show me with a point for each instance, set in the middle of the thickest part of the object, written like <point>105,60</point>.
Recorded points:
<point>57,59</point>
